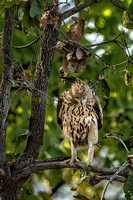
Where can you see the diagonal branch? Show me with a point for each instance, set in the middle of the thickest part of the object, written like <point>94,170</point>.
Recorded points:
<point>76,9</point>
<point>94,180</point>
<point>125,164</point>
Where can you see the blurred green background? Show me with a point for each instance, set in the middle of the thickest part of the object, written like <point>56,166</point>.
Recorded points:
<point>104,21</point>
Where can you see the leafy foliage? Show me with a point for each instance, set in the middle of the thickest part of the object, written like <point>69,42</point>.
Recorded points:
<point>103,22</point>
<point>128,188</point>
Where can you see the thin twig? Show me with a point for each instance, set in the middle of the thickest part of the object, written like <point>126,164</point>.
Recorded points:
<point>125,164</point>
<point>126,61</point>
<point>27,84</point>
<point>36,31</point>
<point>94,180</point>
<point>71,42</point>
<point>28,45</point>
<point>108,65</point>
<point>105,42</point>
<point>15,65</point>
<point>44,94</point>
<point>33,56</point>
<point>126,45</point>
<point>118,5</point>
<point>62,33</point>
<point>108,135</point>
<point>76,9</point>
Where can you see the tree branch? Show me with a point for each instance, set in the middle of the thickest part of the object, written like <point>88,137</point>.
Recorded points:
<point>117,4</point>
<point>28,45</point>
<point>125,164</point>
<point>109,135</point>
<point>31,166</point>
<point>5,86</point>
<point>107,65</point>
<point>76,9</point>
<point>105,42</point>
<point>94,180</point>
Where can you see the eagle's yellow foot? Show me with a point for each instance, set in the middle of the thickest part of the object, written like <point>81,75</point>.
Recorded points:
<point>74,160</point>
<point>89,163</point>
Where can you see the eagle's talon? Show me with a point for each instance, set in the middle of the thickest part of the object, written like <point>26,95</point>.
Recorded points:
<point>88,164</point>
<point>74,160</point>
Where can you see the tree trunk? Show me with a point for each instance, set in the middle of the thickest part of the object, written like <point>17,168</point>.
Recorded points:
<point>9,188</point>
<point>5,86</point>
<point>38,104</point>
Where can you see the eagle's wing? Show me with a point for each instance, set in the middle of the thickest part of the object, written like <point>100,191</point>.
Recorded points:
<point>98,110</point>
<point>60,108</point>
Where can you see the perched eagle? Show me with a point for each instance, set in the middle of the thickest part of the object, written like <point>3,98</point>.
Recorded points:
<point>79,115</point>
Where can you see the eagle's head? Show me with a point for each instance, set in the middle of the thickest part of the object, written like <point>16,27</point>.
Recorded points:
<point>79,90</point>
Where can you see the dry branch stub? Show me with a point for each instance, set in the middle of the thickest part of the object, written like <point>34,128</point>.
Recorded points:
<point>48,18</point>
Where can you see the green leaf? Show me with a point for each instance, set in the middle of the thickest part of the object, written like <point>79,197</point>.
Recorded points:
<point>10,157</point>
<point>83,177</point>
<point>35,8</point>
<point>127,22</point>
<point>1,27</point>
<point>77,2</point>
<point>22,138</point>
<point>131,141</point>
<point>2,1</point>
<point>27,20</point>
<point>20,13</point>
<point>73,189</point>
<point>87,169</point>
<point>130,11</point>
<point>49,2</point>
<point>85,1</point>
<point>9,4</point>
<point>129,78</point>
<point>44,195</point>
<point>81,197</point>
<point>128,188</point>
<point>122,3</point>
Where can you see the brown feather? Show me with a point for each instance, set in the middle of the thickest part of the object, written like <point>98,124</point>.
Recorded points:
<point>79,114</point>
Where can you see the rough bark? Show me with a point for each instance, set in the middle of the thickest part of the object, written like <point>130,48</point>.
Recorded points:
<point>38,103</point>
<point>25,169</point>
<point>5,86</point>
<point>8,186</point>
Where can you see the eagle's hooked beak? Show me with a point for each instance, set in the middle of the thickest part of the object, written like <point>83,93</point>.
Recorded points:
<point>82,99</point>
